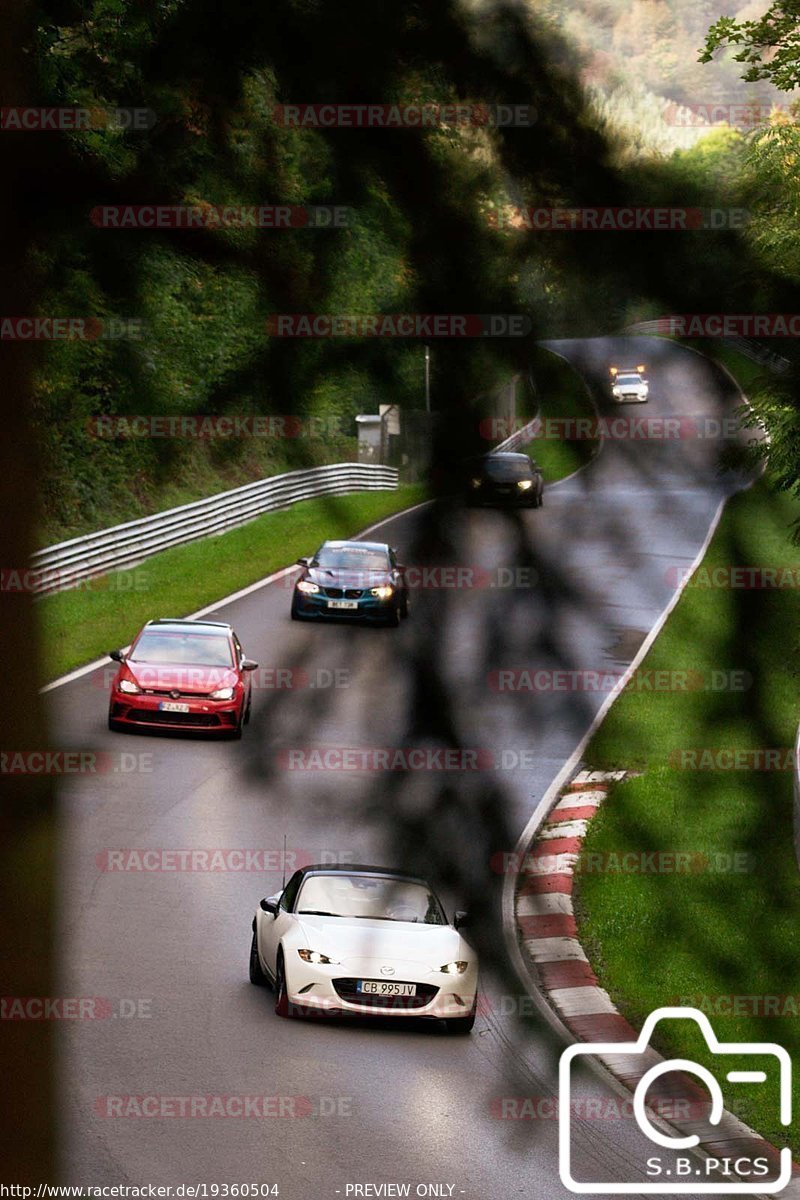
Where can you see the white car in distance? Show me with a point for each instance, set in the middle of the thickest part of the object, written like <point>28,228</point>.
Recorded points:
<point>629,385</point>
<point>364,941</point>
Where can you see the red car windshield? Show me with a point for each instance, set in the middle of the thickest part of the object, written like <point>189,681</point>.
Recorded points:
<point>179,649</point>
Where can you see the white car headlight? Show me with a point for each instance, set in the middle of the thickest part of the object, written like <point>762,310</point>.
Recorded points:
<point>454,968</point>
<point>305,585</point>
<point>314,956</point>
<point>524,484</point>
<point>129,688</point>
<point>383,592</point>
<point>225,693</point>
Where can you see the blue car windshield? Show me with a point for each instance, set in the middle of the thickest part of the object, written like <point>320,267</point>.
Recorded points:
<point>350,559</point>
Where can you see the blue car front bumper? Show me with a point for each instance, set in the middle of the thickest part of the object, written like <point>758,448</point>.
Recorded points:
<point>363,608</point>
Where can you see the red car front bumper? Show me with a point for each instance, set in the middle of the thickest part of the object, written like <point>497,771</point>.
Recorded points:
<point>202,715</point>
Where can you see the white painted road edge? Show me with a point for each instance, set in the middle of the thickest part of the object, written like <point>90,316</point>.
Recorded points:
<point>551,795</point>
<point>548,802</point>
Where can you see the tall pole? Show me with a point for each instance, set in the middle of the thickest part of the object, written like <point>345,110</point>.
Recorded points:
<point>427,379</point>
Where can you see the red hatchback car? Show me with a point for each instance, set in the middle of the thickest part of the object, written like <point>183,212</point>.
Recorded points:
<point>189,675</point>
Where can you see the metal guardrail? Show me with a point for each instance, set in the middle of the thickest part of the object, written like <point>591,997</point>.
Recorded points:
<point>796,779</point>
<point>525,433</point>
<point>520,437</point>
<point>69,563</point>
<point>751,348</point>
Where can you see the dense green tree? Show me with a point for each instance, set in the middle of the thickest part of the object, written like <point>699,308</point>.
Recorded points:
<point>769,46</point>
<point>419,239</point>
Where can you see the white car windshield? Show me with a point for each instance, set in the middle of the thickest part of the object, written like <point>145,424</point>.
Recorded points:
<point>629,380</point>
<point>375,897</point>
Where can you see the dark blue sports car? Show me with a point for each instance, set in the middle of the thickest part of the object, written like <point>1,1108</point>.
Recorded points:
<point>351,581</point>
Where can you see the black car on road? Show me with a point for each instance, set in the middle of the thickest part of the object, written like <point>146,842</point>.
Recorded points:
<point>505,478</point>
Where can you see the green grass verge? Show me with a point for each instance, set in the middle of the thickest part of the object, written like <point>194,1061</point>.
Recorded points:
<point>711,932</point>
<point>562,394</point>
<point>82,624</point>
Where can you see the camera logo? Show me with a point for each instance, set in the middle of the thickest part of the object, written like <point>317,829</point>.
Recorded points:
<point>670,1175</point>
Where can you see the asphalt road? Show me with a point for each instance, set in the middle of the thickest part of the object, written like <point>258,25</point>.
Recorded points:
<point>594,569</point>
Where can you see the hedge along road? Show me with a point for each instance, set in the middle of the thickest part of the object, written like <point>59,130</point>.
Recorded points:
<point>167,947</point>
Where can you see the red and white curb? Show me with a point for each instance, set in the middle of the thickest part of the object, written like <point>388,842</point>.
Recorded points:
<point>548,939</point>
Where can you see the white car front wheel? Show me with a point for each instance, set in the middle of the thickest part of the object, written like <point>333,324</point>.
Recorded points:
<point>282,1006</point>
<point>257,975</point>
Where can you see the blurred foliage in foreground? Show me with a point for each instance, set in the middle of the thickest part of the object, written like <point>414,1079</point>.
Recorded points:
<point>426,228</point>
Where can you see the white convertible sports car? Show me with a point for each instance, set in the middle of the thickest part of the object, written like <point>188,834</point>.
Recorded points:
<point>363,941</point>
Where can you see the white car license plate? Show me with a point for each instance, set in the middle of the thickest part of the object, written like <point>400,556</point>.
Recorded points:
<point>342,604</point>
<point>374,987</point>
<point>170,706</point>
